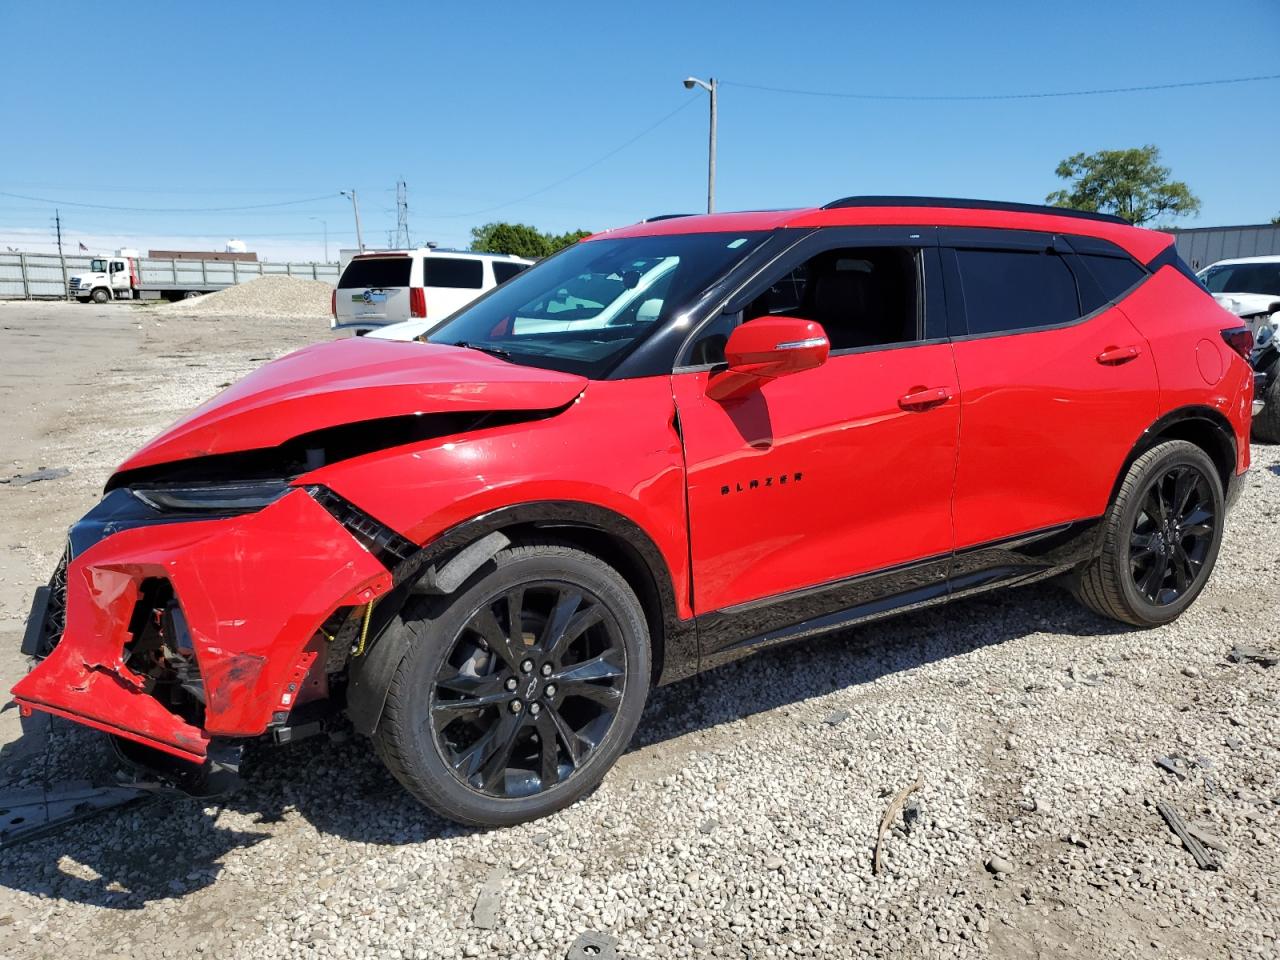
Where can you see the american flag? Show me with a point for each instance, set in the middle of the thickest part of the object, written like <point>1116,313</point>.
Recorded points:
<point>84,248</point>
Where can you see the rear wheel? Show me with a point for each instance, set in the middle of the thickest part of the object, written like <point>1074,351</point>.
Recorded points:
<point>1160,538</point>
<point>520,691</point>
<point>191,295</point>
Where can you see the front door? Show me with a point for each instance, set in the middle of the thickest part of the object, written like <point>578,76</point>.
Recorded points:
<point>834,472</point>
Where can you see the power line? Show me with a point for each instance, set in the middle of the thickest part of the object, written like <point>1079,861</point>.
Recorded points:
<point>1000,96</point>
<point>567,177</point>
<point>101,206</point>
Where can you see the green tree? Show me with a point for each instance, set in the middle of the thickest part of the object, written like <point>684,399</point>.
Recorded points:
<point>1276,219</point>
<point>1129,183</point>
<point>521,240</point>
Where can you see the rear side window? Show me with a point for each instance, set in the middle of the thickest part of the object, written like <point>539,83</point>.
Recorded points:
<point>377,272</point>
<point>1112,278</point>
<point>453,272</point>
<point>1010,290</point>
<point>504,270</point>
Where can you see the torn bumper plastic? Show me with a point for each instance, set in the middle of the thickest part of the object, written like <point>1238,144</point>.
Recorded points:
<point>253,590</point>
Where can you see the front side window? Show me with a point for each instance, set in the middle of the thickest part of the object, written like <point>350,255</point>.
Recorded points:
<point>862,296</point>
<point>116,266</point>
<point>1009,290</point>
<point>1263,278</point>
<point>456,272</point>
<point>584,309</point>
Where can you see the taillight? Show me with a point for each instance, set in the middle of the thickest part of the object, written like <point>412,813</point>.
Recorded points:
<point>333,303</point>
<point>1239,339</point>
<point>418,302</point>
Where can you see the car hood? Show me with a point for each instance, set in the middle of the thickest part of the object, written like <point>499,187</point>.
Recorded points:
<point>349,381</point>
<point>1246,304</point>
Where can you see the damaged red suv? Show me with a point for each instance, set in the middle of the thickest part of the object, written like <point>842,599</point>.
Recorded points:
<point>664,448</point>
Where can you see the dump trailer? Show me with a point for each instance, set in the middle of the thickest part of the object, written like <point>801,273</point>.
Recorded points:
<point>127,276</point>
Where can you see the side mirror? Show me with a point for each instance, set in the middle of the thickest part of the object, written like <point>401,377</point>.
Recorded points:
<point>767,348</point>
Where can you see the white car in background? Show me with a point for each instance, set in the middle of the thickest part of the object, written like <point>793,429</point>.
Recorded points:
<point>633,293</point>
<point>1250,288</point>
<point>426,285</point>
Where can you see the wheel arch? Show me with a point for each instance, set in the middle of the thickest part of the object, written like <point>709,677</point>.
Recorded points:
<point>1203,426</point>
<point>614,538</point>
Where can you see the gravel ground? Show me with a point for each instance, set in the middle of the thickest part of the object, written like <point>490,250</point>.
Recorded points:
<point>272,296</point>
<point>742,821</point>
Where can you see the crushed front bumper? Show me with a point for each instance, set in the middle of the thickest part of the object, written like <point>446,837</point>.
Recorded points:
<point>253,589</point>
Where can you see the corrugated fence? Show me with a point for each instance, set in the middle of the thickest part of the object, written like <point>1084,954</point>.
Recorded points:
<point>33,276</point>
<point>1201,246</point>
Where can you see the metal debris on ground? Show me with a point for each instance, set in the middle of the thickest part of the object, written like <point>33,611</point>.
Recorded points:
<point>1204,858</point>
<point>891,814</point>
<point>35,811</point>
<point>1246,654</point>
<point>593,945</point>
<point>1176,764</point>
<point>835,718</point>
<point>44,473</point>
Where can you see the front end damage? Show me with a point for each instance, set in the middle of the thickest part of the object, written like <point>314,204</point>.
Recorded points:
<point>183,631</point>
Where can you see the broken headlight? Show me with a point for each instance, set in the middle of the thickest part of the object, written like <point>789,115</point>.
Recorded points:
<point>222,498</point>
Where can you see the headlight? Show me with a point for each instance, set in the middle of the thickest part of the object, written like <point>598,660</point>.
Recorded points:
<point>224,498</point>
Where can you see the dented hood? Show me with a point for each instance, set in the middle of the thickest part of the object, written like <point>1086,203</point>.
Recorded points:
<point>351,380</point>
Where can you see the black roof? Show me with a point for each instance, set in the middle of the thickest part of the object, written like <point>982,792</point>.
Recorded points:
<point>964,204</point>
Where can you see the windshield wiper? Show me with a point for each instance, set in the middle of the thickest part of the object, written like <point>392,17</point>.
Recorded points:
<point>492,351</point>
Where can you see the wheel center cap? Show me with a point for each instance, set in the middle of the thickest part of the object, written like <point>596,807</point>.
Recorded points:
<point>531,689</point>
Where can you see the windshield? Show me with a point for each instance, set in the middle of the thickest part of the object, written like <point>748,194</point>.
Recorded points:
<point>584,309</point>
<point>1261,278</point>
<point>98,266</point>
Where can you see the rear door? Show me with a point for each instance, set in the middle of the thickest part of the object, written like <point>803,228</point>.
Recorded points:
<point>374,290</point>
<point>451,282</point>
<point>1057,387</point>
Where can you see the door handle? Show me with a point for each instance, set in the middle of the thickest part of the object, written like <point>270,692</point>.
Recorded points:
<point>924,399</point>
<point>1114,356</point>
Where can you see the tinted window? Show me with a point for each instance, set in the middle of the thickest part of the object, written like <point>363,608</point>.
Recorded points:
<point>504,270</point>
<point>1112,277</point>
<point>1007,290</point>
<point>453,272</point>
<point>1261,278</point>
<point>585,308</point>
<point>376,272</point>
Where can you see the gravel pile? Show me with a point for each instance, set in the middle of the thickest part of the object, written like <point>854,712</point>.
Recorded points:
<point>269,296</point>
<point>743,820</point>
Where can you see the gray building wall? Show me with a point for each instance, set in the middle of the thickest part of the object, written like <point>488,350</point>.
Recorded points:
<point>1201,246</point>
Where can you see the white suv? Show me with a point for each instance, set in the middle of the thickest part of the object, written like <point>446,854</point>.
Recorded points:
<point>390,286</point>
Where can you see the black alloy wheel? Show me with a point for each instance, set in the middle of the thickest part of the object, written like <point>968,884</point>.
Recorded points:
<point>1159,539</point>
<point>532,684</point>
<point>1172,535</point>
<point>517,692</point>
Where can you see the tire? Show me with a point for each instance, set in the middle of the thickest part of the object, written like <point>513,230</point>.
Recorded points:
<point>587,698</point>
<point>1149,572</point>
<point>1266,425</point>
<point>101,295</point>
<point>191,295</point>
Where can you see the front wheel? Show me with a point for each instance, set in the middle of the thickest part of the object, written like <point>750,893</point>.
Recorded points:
<point>1160,538</point>
<point>520,691</point>
<point>101,295</point>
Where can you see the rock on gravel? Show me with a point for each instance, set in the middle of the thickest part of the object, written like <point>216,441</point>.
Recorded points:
<point>269,296</point>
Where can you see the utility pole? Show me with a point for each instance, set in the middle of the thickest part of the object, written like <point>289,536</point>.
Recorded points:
<point>57,224</point>
<point>713,89</point>
<point>355,207</point>
<point>402,215</point>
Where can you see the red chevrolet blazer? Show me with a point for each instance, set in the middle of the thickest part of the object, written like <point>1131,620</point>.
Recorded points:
<point>664,448</point>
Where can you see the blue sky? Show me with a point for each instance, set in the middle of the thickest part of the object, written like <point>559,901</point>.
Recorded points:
<point>476,105</point>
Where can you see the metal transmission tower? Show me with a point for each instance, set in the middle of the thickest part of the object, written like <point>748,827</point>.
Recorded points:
<point>402,216</point>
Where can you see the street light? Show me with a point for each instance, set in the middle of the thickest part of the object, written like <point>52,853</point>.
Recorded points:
<point>325,224</point>
<point>355,206</point>
<point>712,87</point>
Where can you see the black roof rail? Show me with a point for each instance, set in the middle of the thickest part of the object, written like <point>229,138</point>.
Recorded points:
<point>667,216</point>
<point>964,204</point>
